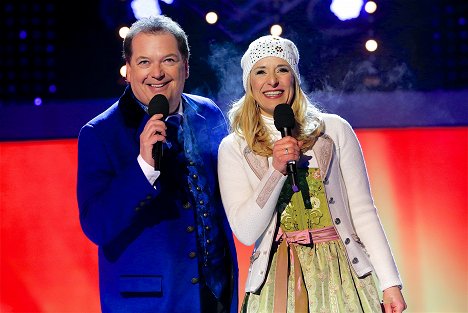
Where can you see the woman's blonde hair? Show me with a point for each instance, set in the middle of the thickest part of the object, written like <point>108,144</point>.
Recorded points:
<point>245,120</point>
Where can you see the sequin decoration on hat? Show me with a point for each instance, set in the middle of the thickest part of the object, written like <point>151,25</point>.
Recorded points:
<point>270,46</point>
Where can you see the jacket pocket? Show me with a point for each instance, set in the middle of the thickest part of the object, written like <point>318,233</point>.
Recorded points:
<point>140,286</point>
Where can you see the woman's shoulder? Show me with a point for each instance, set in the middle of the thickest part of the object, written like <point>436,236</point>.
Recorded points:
<point>232,146</point>
<point>233,139</point>
<point>334,121</point>
<point>336,126</point>
<point>332,118</point>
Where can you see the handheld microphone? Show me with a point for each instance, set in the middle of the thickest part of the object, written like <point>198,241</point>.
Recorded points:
<point>158,105</point>
<point>283,116</point>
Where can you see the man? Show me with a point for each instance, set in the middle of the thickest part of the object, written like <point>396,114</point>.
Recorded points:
<point>164,241</point>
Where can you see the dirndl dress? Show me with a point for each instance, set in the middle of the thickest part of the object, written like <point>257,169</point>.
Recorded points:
<point>324,281</point>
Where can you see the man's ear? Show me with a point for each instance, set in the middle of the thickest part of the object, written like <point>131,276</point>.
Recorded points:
<point>128,72</point>
<point>187,69</point>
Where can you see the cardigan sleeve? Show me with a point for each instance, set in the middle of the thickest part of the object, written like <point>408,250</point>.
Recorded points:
<point>249,201</point>
<point>361,203</point>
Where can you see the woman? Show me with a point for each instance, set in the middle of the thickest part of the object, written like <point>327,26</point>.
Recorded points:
<point>316,249</point>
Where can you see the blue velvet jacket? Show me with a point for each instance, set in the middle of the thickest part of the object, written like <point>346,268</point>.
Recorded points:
<point>149,257</point>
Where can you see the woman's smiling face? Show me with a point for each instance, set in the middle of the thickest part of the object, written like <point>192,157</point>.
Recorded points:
<point>272,82</point>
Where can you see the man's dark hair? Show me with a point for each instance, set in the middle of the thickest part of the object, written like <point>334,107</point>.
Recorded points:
<point>156,25</point>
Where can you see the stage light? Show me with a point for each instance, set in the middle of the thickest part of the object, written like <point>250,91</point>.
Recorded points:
<point>123,71</point>
<point>211,17</point>
<point>123,31</point>
<point>371,45</point>
<point>276,30</point>
<point>346,9</point>
<point>370,7</point>
<point>146,8</point>
<point>37,101</point>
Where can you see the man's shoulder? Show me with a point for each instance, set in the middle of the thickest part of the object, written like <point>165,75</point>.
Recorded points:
<point>202,105</point>
<point>197,98</point>
<point>199,103</point>
<point>105,116</point>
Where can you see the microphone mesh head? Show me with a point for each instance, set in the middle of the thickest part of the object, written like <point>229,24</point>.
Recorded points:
<point>283,116</point>
<point>159,105</point>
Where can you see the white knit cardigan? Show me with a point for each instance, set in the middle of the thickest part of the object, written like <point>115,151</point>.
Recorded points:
<point>250,188</point>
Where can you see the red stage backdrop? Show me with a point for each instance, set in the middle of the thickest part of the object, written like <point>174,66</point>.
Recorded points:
<point>418,176</point>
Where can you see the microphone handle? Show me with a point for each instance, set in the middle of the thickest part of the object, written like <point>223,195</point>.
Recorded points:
<point>286,131</point>
<point>292,173</point>
<point>291,165</point>
<point>157,153</point>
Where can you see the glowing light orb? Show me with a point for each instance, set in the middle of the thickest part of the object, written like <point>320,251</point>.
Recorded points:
<point>276,30</point>
<point>211,17</point>
<point>123,31</point>
<point>346,9</point>
<point>370,7</point>
<point>371,45</point>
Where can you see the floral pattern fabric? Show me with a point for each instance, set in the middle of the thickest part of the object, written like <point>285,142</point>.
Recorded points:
<point>331,283</point>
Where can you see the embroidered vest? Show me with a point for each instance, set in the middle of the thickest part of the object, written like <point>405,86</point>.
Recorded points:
<point>187,173</point>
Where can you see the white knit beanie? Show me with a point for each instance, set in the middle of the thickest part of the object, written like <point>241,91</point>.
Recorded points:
<point>270,46</point>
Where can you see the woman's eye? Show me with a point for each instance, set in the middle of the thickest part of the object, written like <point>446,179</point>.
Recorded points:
<point>283,70</point>
<point>260,72</point>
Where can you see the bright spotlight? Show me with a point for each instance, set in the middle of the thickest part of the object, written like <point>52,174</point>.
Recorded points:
<point>370,7</point>
<point>276,30</point>
<point>145,8</point>
<point>346,9</point>
<point>123,71</point>
<point>123,31</point>
<point>371,45</point>
<point>211,17</point>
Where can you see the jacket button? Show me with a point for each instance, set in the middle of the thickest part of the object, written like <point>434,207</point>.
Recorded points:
<point>208,241</point>
<point>337,221</point>
<point>192,254</point>
<point>355,261</point>
<point>205,214</point>
<point>331,201</point>
<point>191,163</point>
<point>194,280</point>
<point>187,205</point>
<point>198,188</point>
<point>195,176</point>
<point>190,229</point>
<point>347,241</point>
<point>207,227</point>
<point>137,209</point>
<point>201,202</point>
<point>148,197</point>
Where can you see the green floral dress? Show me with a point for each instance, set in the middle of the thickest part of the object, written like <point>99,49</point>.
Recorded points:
<point>331,284</point>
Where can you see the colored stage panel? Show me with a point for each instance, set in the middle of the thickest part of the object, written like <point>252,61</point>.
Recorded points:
<point>47,264</point>
<point>420,183</point>
<point>418,176</point>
